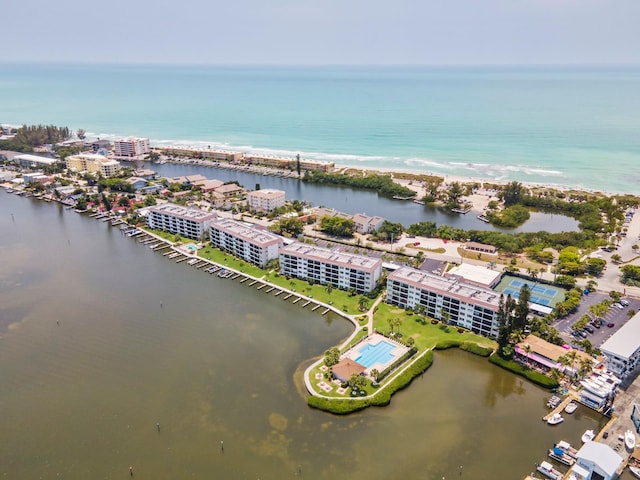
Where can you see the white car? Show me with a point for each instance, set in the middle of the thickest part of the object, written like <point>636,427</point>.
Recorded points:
<point>619,305</point>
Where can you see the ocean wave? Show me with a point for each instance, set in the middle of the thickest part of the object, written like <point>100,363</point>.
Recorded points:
<point>498,172</point>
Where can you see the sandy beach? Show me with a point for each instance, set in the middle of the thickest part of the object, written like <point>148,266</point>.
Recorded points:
<point>478,200</point>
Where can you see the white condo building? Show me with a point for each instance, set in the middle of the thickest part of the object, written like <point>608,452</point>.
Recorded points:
<point>131,147</point>
<point>245,241</point>
<point>460,303</point>
<point>93,163</point>
<point>330,267</point>
<point>622,349</point>
<point>33,161</point>
<point>265,200</point>
<point>184,221</point>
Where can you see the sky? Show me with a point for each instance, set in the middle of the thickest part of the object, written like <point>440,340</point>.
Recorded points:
<point>323,32</point>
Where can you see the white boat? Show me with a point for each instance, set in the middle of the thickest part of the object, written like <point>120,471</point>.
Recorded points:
<point>571,407</point>
<point>561,456</point>
<point>630,439</point>
<point>587,436</point>
<point>547,470</point>
<point>567,448</point>
<point>555,419</point>
<point>635,471</point>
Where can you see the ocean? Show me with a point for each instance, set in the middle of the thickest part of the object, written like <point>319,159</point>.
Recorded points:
<point>576,127</point>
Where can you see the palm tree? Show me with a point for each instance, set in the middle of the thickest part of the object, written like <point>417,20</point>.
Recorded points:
<point>329,289</point>
<point>397,322</point>
<point>585,367</point>
<point>527,351</point>
<point>572,355</point>
<point>363,303</point>
<point>374,374</point>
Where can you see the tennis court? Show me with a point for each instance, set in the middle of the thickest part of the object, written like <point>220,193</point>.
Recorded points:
<point>542,294</point>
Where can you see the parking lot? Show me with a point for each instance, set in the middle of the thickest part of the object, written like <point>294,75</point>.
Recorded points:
<point>615,315</point>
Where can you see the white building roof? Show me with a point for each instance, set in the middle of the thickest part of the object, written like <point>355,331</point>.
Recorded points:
<point>332,256</point>
<point>476,274</point>
<point>267,193</point>
<point>34,158</point>
<point>626,340</point>
<point>601,455</point>
<point>448,286</point>
<point>247,232</point>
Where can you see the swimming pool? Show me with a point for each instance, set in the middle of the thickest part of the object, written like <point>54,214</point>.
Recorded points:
<point>371,354</point>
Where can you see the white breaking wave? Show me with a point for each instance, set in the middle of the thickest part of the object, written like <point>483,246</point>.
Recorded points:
<point>499,172</point>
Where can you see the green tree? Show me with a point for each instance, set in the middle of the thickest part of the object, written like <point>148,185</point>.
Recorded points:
<point>512,193</point>
<point>81,134</point>
<point>331,357</point>
<point>298,166</point>
<point>454,193</point>
<point>357,382</point>
<point>363,303</point>
<point>289,226</point>
<point>338,226</point>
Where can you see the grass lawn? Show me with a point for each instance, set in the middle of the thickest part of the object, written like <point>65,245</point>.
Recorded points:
<point>162,234</point>
<point>338,298</point>
<point>425,334</point>
<point>222,258</point>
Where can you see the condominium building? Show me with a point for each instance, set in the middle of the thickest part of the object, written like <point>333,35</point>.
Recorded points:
<point>330,267</point>
<point>622,349</point>
<point>131,147</point>
<point>93,163</point>
<point>255,245</point>
<point>33,161</point>
<point>450,299</point>
<point>265,200</point>
<point>184,221</point>
<point>366,224</point>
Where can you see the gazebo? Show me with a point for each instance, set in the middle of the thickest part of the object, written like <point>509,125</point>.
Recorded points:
<point>347,367</point>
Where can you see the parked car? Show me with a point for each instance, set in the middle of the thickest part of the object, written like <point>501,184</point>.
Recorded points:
<point>611,324</point>
<point>595,324</point>
<point>619,305</point>
<point>589,329</point>
<point>624,302</point>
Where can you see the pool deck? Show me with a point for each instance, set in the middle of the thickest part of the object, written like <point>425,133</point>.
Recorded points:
<point>354,352</point>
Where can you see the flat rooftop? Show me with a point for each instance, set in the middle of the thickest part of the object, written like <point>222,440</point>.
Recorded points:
<point>332,256</point>
<point>34,158</point>
<point>476,274</point>
<point>447,286</point>
<point>626,340</point>
<point>188,213</point>
<point>247,232</point>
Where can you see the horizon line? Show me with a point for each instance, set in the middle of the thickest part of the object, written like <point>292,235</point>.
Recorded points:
<point>318,65</point>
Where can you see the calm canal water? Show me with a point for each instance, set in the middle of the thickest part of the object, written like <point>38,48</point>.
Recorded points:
<point>142,341</point>
<point>352,201</point>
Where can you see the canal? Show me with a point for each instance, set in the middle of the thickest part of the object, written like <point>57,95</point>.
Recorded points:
<point>101,339</point>
<point>349,200</point>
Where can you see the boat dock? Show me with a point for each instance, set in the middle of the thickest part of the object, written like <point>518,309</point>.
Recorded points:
<point>560,408</point>
<point>166,249</point>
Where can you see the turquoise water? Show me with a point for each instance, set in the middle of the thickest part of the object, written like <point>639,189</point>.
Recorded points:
<point>575,127</point>
<point>378,353</point>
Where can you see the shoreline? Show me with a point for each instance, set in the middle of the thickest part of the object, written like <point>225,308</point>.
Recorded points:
<point>478,200</point>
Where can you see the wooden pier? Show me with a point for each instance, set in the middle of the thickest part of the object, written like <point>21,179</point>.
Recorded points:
<point>306,303</point>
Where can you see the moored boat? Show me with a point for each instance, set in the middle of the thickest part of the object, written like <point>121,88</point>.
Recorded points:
<point>630,439</point>
<point>635,471</point>
<point>567,448</point>
<point>483,218</point>
<point>571,407</point>
<point>561,456</point>
<point>587,436</point>
<point>547,470</point>
<point>555,419</point>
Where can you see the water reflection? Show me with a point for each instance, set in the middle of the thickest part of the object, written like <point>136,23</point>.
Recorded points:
<point>217,362</point>
<point>353,201</point>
